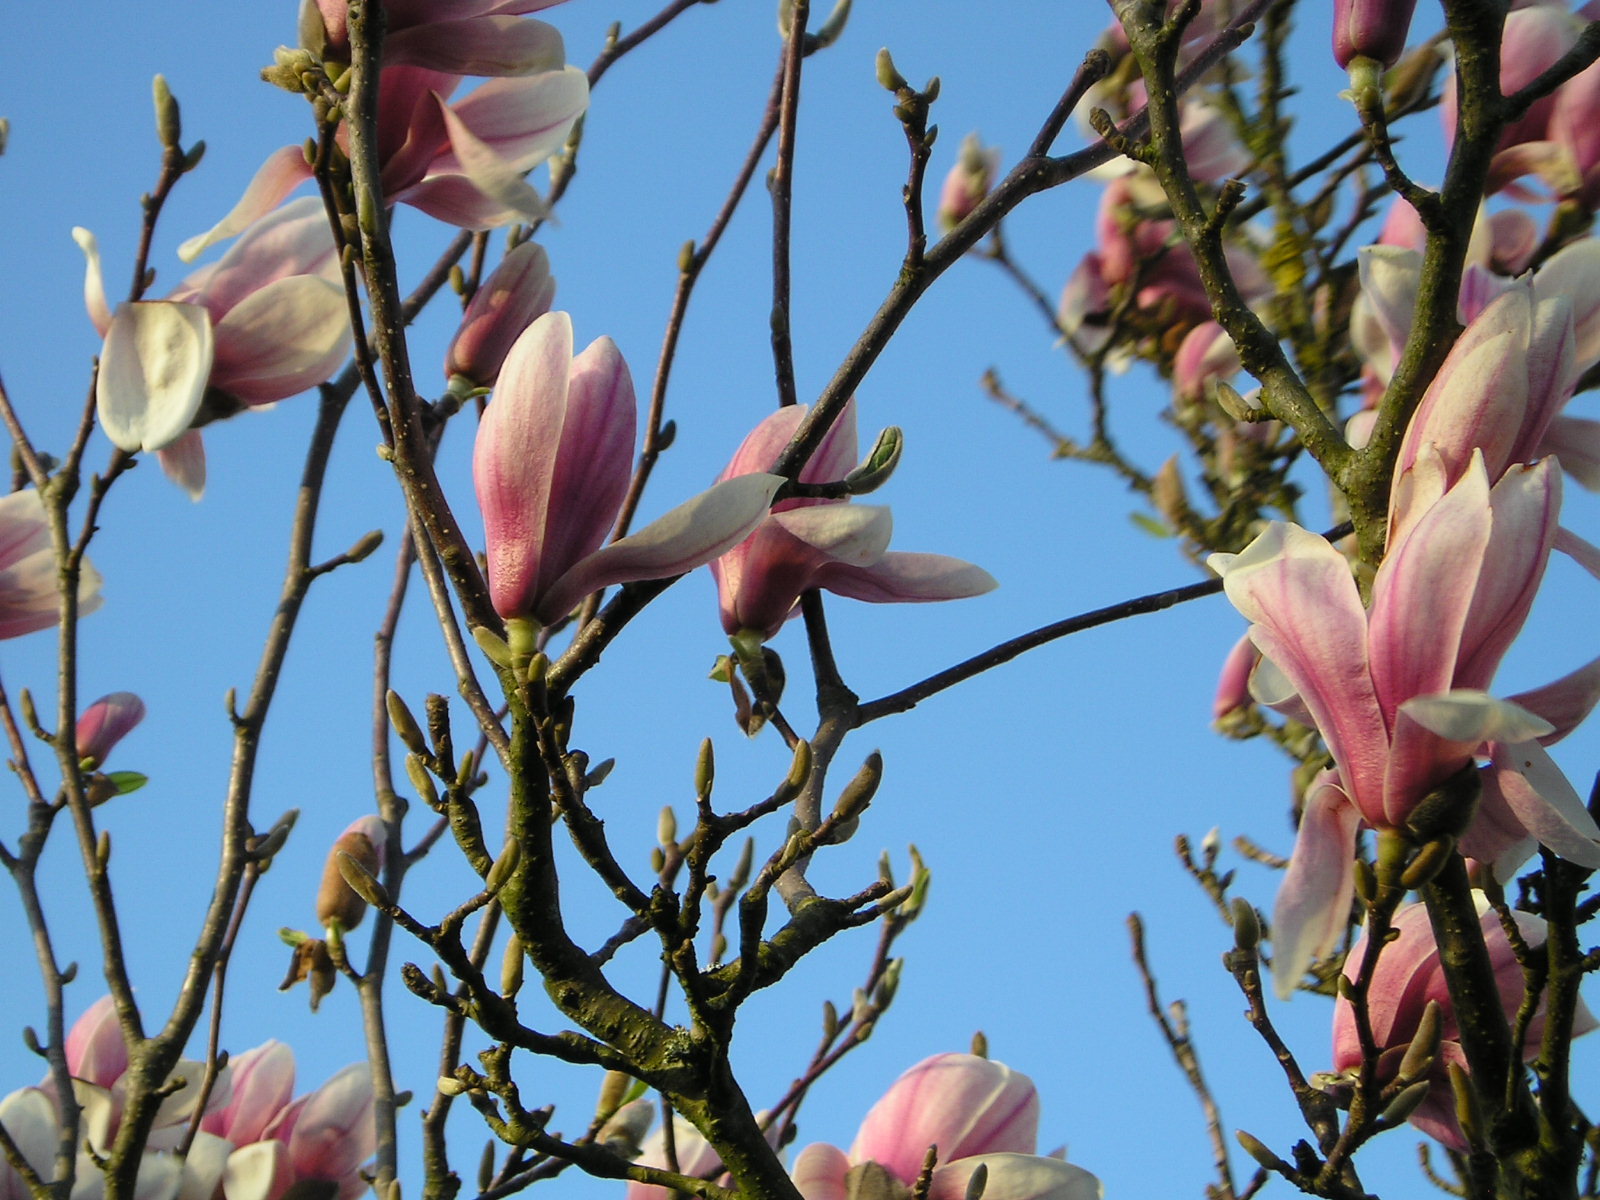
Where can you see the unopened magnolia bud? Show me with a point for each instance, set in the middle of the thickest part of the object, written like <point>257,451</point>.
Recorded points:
<point>977,1181</point>
<point>1232,403</point>
<point>422,781</point>
<point>889,78</point>
<point>493,646</point>
<point>511,967</point>
<point>1466,1102</point>
<point>980,1044</point>
<point>450,1086</point>
<point>667,827</point>
<point>503,867</point>
<point>352,865</point>
<point>967,183</point>
<point>686,257</point>
<point>1246,925</point>
<point>1168,495</point>
<point>1424,1047</point>
<point>102,849</point>
<point>486,1165</point>
<point>879,465</point>
<point>404,724</point>
<point>597,773</point>
<point>1375,29</point>
<point>858,793</point>
<point>1257,1150</point>
<point>741,870</point>
<point>518,292</point>
<point>1429,861</point>
<point>668,435</point>
<point>828,32</point>
<point>830,1020</point>
<point>705,770</point>
<point>1366,881</point>
<point>1406,1103</point>
<point>169,127</point>
<point>799,772</point>
<point>889,984</point>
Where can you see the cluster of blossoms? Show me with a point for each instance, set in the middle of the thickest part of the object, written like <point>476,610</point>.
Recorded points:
<point>1397,685</point>
<point>270,319</point>
<point>254,1140</point>
<point>973,1113</point>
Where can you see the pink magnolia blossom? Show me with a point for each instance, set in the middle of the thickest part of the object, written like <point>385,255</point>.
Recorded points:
<point>324,1137</point>
<point>975,1112</point>
<point>1397,692</point>
<point>263,1083</point>
<point>29,600</point>
<point>265,322</point>
<point>519,291</point>
<point>808,543</point>
<point>106,722</point>
<point>1535,37</point>
<point>461,162</point>
<point>463,37</point>
<point>1407,978</point>
<point>1374,29</point>
<point>551,466</point>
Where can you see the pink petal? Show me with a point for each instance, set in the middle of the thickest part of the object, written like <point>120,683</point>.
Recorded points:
<point>478,45</point>
<point>902,578</point>
<point>184,462</point>
<point>688,536</point>
<point>284,170</point>
<point>1576,442</point>
<point>1564,702</point>
<point>819,1172</point>
<point>1545,803</point>
<point>106,722</point>
<point>961,1103</point>
<point>263,1084</point>
<point>1313,905</point>
<point>96,1052</point>
<point>288,336</point>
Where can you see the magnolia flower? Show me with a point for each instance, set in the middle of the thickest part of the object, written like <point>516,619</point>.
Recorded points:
<point>29,600</point>
<point>518,292</point>
<point>975,1112</point>
<point>830,544</point>
<point>265,322</point>
<point>462,37</point>
<point>551,466</point>
<point>320,1139</point>
<point>461,162</point>
<point>106,722</point>
<point>1397,691</point>
<point>1408,978</point>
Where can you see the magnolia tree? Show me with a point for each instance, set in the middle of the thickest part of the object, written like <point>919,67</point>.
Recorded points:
<point>1365,379</point>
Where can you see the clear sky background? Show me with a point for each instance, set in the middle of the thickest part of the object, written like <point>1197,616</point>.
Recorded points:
<point>1045,795</point>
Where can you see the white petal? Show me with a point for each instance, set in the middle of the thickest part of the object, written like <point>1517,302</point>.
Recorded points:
<point>153,373</point>
<point>1465,715</point>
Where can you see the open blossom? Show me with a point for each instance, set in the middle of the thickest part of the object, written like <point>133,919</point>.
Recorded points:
<point>1408,977</point>
<point>551,467</point>
<point>1398,691</point>
<point>265,322</point>
<point>976,1112</point>
<point>28,597</point>
<point>460,160</point>
<point>832,544</point>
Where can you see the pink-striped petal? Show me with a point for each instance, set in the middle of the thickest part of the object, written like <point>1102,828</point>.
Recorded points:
<point>1313,906</point>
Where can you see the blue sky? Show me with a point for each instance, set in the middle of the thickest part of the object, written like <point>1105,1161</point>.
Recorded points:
<point>1045,795</point>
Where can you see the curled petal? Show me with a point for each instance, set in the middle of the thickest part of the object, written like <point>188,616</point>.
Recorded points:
<point>1313,906</point>
<point>901,578</point>
<point>153,373</point>
<point>94,284</point>
<point>1545,802</point>
<point>689,536</point>
<point>284,170</point>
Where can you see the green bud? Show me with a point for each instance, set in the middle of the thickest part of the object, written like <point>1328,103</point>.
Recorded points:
<point>169,126</point>
<point>705,771</point>
<point>741,870</point>
<point>977,1181</point>
<point>1406,1103</point>
<point>597,773</point>
<point>1429,861</point>
<point>30,1039</point>
<point>1424,1047</point>
<point>361,881</point>
<point>1232,403</point>
<point>858,793</point>
<point>828,32</point>
<point>511,967</point>
<point>422,781</point>
<point>980,1044</point>
<point>404,724</point>
<point>888,78</point>
<point>876,468</point>
<point>1246,925</point>
<point>830,1020</point>
<point>1366,881</point>
<point>503,867</point>
<point>1257,1150</point>
<point>102,849</point>
<point>686,257</point>
<point>493,646</point>
<point>667,827</point>
<point>291,937</point>
<point>364,547</point>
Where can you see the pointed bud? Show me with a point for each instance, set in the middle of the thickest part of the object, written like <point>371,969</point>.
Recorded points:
<point>511,967</point>
<point>356,854</point>
<point>404,724</point>
<point>1424,1047</point>
<point>169,128</point>
<point>1246,925</point>
<point>503,867</point>
<point>705,771</point>
<point>879,465</point>
<point>1257,1150</point>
